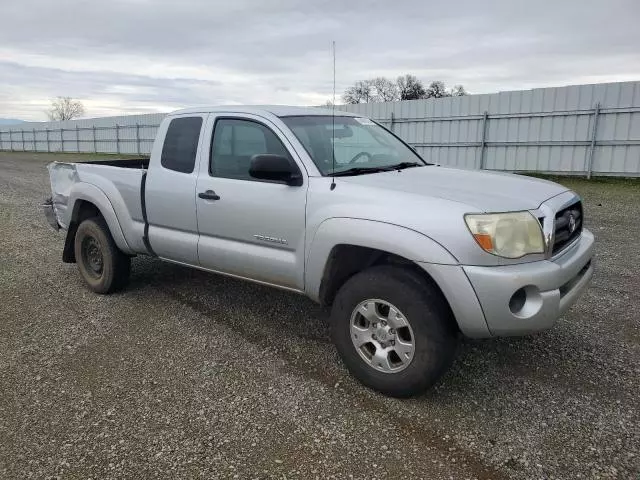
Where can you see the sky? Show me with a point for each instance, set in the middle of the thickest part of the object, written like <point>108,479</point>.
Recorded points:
<point>147,56</point>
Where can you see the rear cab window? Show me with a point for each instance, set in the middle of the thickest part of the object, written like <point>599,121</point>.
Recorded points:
<point>181,144</point>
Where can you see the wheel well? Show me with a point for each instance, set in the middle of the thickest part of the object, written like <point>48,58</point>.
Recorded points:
<point>81,211</point>
<point>347,260</point>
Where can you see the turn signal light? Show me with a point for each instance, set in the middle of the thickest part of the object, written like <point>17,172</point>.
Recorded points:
<point>484,240</point>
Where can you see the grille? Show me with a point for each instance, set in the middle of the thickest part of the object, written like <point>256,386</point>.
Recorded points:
<point>563,234</point>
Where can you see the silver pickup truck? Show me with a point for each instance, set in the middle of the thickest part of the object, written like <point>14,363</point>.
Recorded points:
<point>407,254</point>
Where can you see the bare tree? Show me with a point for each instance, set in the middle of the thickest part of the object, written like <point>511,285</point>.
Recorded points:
<point>410,88</point>
<point>436,89</point>
<point>361,92</point>
<point>458,91</point>
<point>406,87</point>
<point>385,89</point>
<point>379,89</point>
<point>65,108</point>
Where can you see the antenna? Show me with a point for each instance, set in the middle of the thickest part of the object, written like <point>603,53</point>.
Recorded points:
<point>333,120</point>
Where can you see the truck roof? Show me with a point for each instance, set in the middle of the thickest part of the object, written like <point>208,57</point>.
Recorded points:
<point>277,110</point>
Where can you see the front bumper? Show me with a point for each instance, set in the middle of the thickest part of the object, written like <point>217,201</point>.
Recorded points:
<point>525,298</point>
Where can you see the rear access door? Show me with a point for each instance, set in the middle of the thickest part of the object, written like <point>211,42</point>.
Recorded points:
<point>171,189</point>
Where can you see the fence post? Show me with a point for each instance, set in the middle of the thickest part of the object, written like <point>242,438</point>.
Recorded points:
<point>22,136</point>
<point>393,119</point>
<point>62,139</point>
<point>483,141</point>
<point>137,138</point>
<point>117,138</point>
<point>10,140</point>
<point>48,147</point>
<point>77,139</point>
<point>592,147</point>
<point>95,147</point>
<point>35,145</point>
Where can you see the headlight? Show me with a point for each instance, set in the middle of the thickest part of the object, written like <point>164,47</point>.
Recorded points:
<point>509,235</point>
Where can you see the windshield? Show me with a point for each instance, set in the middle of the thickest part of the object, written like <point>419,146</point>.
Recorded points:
<point>359,144</point>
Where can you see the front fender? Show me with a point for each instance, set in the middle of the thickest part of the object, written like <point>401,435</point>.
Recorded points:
<point>92,194</point>
<point>383,236</point>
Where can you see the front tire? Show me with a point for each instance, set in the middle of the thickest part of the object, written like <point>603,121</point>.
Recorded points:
<point>102,265</point>
<point>393,330</point>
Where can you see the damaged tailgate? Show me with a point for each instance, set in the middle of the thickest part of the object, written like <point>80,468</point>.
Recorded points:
<point>62,177</point>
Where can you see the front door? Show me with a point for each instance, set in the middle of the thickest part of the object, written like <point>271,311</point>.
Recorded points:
<point>249,228</point>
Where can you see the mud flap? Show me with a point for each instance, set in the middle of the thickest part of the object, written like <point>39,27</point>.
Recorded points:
<point>50,214</point>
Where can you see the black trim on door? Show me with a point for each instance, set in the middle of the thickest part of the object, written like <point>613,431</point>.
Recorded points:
<point>143,202</point>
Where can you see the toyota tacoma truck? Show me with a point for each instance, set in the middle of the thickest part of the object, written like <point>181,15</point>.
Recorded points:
<point>331,205</point>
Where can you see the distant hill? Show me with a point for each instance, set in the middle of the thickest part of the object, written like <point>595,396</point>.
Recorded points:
<point>9,121</point>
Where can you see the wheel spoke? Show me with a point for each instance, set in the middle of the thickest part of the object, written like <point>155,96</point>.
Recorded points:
<point>403,349</point>
<point>380,359</point>
<point>368,311</point>
<point>360,336</point>
<point>396,319</point>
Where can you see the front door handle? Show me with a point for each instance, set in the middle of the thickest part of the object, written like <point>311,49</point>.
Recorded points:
<point>209,195</point>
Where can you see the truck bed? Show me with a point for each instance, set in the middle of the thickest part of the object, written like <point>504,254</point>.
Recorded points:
<point>118,182</point>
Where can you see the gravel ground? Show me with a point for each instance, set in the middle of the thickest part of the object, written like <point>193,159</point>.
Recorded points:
<point>187,374</point>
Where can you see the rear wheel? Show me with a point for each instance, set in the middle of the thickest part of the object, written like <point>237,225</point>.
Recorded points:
<point>102,265</point>
<point>393,330</point>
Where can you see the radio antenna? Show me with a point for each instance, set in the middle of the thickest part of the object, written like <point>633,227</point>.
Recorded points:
<point>333,120</point>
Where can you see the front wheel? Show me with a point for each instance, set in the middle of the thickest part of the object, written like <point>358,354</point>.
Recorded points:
<point>102,265</point>
<point>393,330</point>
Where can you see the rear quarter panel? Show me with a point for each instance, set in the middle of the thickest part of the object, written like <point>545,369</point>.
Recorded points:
<point>115,191</point>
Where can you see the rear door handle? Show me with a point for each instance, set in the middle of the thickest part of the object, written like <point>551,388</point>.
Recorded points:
<point>209,195</point>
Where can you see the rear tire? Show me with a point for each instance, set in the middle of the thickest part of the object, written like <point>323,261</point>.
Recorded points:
<point>102,265</point>
<point>402,361</point>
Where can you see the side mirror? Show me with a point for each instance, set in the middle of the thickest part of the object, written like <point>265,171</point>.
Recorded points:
<point>275,168</point>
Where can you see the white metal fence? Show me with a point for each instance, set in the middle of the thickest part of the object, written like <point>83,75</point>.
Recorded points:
<point>131,134</point>
<point>581,129</point>
<point>130,139</point>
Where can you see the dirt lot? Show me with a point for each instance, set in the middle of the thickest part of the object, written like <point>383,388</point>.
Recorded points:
<point>187,374</point>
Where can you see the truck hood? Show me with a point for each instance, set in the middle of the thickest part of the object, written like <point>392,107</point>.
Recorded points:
<point>483,190</point>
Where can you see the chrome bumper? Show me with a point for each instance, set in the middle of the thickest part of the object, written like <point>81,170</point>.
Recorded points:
<point>528,297</point>
<point>50,214</point>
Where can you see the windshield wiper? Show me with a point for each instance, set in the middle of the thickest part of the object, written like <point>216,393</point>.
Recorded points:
<point>363,170</point>
<point>403,165</point>
<point>357,171</point>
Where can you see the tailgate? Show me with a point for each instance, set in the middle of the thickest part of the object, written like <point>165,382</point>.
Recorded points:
<point>62,177</point>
